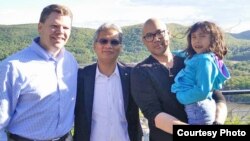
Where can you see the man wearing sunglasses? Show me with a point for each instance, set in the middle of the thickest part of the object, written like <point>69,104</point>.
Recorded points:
<point>151,82</point>
<point>105,110</point>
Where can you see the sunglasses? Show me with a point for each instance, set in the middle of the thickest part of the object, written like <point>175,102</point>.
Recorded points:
<point>113,42</point>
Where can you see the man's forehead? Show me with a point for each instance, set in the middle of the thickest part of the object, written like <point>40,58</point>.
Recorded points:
<point>152,26</point>
<point>152,29</point>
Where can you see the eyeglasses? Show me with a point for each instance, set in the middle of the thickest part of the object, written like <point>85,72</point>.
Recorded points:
<point>113,42</point>
<point>149,37</point>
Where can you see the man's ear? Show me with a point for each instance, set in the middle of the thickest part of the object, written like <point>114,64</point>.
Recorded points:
<point>94,46</point>
<point>39,27</point>
<point>142,39</point>
<point>169,34</point>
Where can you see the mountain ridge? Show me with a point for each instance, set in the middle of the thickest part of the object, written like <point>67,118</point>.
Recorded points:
<point>16,37</point>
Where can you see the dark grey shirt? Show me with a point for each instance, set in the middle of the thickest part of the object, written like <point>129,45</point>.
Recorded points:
<point>151,88</point>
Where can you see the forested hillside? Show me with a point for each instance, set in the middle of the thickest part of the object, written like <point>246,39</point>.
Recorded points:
<point>16,37</point>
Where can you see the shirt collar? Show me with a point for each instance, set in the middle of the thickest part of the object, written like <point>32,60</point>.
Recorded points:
<point>43,53</point>
<point>98,73</point>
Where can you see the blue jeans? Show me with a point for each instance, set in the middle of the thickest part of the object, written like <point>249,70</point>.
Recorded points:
<point>202,112</point>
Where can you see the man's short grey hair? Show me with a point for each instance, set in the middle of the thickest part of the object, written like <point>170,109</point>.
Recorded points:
<point>108,26</point>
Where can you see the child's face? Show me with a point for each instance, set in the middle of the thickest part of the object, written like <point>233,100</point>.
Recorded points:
<point>200,41</point>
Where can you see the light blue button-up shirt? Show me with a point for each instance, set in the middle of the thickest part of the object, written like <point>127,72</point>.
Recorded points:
<point>37,93</point>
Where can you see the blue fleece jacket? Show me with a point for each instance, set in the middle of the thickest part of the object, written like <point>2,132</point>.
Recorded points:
<point>199,78</point>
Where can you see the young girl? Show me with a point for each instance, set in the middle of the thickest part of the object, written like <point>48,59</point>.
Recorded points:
<point>204,72</point>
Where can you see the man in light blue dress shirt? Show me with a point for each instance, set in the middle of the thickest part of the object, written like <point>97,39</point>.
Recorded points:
<point>38,83</point>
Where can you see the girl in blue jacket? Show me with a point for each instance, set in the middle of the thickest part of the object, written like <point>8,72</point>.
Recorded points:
<point>204,72</point>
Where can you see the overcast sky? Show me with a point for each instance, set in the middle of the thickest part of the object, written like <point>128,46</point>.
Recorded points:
<point>230,15</point>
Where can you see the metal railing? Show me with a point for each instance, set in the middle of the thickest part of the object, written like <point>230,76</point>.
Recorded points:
<point>238,103</point>
<point>233,92</point>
